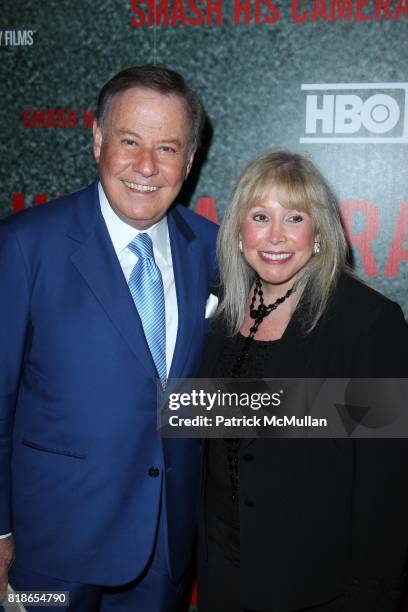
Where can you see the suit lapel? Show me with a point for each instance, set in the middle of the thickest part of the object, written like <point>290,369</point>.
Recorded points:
<point>187,267</point>
<point>96,261</point>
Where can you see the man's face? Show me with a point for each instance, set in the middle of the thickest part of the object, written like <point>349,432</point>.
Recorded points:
<point>142,153</point>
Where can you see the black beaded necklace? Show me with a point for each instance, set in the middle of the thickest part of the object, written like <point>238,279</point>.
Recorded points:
<point>258,314</point>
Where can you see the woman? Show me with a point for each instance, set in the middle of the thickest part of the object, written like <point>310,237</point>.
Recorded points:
<point>290,525</point>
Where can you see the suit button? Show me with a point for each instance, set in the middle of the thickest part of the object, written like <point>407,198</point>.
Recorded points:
<point>249,503</point>
<point>154,472</point>
<point>248,457</point>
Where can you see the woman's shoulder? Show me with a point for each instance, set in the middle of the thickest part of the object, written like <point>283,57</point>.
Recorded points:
<point>370,327</point>
<point>356,299</point>
<point>219,326</point>
<point>219,349</point>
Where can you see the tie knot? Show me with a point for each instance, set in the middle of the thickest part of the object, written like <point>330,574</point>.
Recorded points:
<point>142,246</point>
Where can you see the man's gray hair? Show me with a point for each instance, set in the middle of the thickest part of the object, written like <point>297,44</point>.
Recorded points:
<point>162,80</point>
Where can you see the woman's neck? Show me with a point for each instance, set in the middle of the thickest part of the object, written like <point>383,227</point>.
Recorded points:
<point>274,324</point>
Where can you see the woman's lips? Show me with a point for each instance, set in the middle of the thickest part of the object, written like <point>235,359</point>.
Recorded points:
<point>280,257</point>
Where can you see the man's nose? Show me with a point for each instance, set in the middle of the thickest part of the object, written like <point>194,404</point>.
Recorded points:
<point>145,163</point>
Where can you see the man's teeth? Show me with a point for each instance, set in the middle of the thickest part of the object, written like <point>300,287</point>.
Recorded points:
<point>138,187</point>
<point>276,256</point>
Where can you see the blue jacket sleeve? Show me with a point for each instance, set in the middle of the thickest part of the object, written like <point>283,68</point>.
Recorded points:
<point>14,316</point>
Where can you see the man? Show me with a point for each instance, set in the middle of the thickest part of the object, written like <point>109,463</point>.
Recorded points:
<point>102,294</point>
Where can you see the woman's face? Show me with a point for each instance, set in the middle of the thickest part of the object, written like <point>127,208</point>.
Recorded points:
<point>277,242</point>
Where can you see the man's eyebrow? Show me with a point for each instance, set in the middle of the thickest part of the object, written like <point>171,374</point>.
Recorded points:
<point>174,141</point>
<point>129,133</point>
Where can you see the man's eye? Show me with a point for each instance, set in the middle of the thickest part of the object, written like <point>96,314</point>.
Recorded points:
<point>167,149</point>
<point>129,141</point>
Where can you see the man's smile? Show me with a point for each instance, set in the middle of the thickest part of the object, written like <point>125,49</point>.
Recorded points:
<point>139,187</point>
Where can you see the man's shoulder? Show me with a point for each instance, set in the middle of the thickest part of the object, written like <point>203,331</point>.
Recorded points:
<point>198,224</point>
<point>56,213</point>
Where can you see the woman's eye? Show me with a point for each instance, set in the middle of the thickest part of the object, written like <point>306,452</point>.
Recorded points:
<point>296,218</point>
<point>260,217</point>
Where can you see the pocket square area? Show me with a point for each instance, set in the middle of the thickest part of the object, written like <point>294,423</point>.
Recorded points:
<point>211,306</point>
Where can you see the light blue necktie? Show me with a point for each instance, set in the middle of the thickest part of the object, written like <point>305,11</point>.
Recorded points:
<point>146,287</point>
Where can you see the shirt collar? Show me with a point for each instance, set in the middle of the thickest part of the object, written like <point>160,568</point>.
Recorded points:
<point>122,233</point>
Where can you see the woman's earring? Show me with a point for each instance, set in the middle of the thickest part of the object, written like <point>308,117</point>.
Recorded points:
<point>240,245</point>
<point>316,247</point>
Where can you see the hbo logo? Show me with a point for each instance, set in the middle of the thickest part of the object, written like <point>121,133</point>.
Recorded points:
<point>345,114</point>
<point>334,116</point>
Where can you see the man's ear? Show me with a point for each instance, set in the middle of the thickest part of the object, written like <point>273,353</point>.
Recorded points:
<point>97,140</point>
<point>189,164</point>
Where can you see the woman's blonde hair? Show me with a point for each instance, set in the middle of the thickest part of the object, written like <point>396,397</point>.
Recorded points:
<point>299,186</point>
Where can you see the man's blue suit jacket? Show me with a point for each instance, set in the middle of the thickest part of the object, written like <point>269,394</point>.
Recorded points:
<point>78,395</point>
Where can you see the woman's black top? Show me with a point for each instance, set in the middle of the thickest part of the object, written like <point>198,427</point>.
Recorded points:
<point>223,455</point>
<point>315,518</point>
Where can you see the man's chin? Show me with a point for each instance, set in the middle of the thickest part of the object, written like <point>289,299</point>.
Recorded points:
<point>142,220</point>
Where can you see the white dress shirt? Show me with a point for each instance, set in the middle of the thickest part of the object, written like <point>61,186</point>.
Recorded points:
<point>121,235</point>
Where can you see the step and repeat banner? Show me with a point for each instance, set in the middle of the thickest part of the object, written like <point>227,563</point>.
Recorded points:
<point>323,77</point>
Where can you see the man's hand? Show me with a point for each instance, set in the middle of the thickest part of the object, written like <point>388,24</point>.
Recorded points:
<point>6,559</point>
